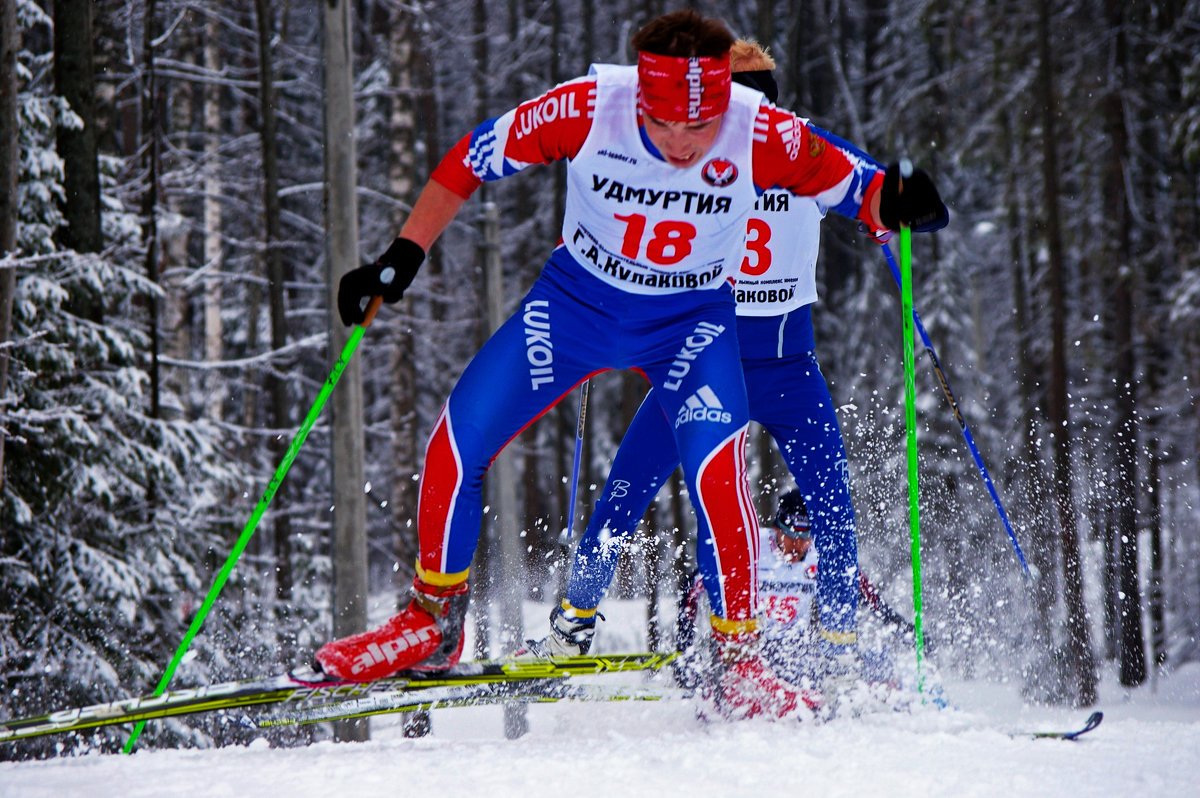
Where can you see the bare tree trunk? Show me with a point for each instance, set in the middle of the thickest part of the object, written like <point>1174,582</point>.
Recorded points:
<point>508,578</point>
<point>483,66</point>
<point>481,585</point>
<point>1132,648</point>
<point>10,153</point>
<point>404,34</point>
<point>764,22</point>
<point>73,79</point>
<point>214,255</point>
<point>587,47</point>
<point>149,126</point>
<point>1042,542</point>
<point>1168,593</point>
<point>349,548</point>
<point>1111,623</point>
<point>1157,432</point>
<point>1079,634</point>
<point>404,54</point>
<point>429,122</point>
<point>1157,612</point>
<point>277,274</point>
<point>176,307</point>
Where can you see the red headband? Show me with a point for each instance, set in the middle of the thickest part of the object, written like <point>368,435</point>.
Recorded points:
<point>674,89</point>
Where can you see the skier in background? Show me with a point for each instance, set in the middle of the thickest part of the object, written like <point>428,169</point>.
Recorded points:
<point>787,584</point>
<point>666,160</point>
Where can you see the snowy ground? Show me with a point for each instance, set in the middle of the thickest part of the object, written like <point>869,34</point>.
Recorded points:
<point>1149,744</point>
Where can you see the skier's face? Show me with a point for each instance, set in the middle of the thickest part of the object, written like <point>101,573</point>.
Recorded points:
<point>792,549</point>
<point>682,144</point>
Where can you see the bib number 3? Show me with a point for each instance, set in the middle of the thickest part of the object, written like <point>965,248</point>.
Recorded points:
<point>758,253</point>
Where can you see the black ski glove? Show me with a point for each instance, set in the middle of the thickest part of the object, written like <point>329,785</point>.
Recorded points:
<point>386,277</point>
<point>915,203</point>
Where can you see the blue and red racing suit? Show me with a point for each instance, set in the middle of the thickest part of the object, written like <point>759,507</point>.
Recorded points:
<point>787,395</point>
<point>642,279</point>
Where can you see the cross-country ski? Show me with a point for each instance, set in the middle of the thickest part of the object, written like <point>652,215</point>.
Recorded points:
<point>306,690</point>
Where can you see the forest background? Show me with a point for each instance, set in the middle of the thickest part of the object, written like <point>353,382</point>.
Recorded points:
<point>171,229</point>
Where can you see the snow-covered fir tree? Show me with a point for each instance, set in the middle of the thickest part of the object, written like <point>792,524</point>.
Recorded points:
<point>108,514</point>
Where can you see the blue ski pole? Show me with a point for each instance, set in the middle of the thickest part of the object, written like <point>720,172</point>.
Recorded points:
<point>962,424</point>
<point>958,416</point>
<point>569,529</point>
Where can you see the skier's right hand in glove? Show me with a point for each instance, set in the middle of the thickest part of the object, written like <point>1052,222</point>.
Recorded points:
<point>387,277</point>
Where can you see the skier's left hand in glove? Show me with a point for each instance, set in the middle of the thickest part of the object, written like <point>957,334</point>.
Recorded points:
<point>387,277</point>
<point>911,199</point>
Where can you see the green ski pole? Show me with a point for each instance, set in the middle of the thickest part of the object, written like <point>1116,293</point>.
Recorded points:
<point>248,531</point>
<point>910,423</point>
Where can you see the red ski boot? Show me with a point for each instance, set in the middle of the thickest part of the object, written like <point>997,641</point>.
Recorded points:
<point>749,688</point>
<point>426,636</point>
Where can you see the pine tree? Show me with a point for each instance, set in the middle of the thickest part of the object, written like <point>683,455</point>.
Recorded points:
<point>95,572</point>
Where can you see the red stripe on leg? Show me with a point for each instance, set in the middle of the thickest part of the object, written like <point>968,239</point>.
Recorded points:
<point>440,482</point>
<point>723,499</point>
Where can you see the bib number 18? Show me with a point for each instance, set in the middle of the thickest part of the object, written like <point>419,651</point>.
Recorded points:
<point>670,241</point>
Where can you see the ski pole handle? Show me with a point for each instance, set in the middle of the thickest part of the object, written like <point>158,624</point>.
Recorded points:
<point>906,170</point>
<point>372,308</point>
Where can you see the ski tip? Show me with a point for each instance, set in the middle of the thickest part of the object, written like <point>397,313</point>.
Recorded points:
<point>1091,723</point>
